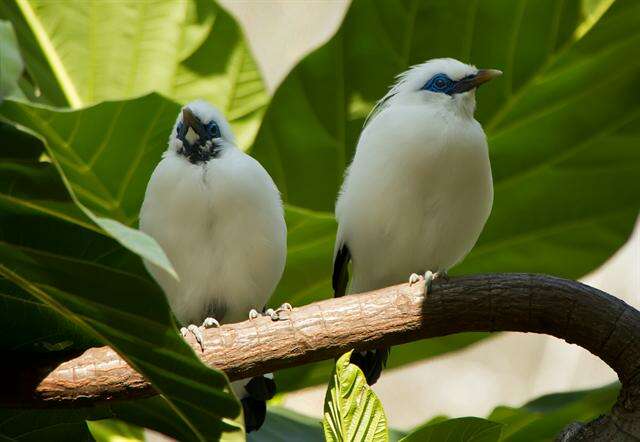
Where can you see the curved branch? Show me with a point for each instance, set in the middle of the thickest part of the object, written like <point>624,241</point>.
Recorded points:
<point>601,323</point>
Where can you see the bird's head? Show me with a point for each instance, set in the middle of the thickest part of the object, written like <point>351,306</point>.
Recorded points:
<point>201,133</point>
<point>440,82</point>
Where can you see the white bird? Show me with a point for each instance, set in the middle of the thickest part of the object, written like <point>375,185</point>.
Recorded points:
<point>419,189</point>
<point>218,216</point>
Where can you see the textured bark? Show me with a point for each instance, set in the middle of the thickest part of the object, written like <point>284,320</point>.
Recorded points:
<point>601,323</point>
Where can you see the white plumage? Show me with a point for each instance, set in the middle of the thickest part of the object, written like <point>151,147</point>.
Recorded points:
<point>222,226</point>
<point>218,216</point>
<point>419,189</point>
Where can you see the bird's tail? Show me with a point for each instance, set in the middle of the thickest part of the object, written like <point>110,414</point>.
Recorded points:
<point>371,362</point>
<point>253,397</point>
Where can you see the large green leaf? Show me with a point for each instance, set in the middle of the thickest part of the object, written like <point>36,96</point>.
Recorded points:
<point>543,418</point>
<point>131,315</point>
<point>462,429</point>
<point>352,411</point>
<point>553,156</point>
<point>11,65</point>
<point>563,138</point>
<point>83,52</point>
<point>92,150</point>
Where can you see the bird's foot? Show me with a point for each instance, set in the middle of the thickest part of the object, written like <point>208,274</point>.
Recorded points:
<point>197,333</point>
<point>429,277</point>
<point>210,322</point>
<point>275,314</point>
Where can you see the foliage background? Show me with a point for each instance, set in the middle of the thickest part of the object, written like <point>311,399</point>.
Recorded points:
<point>535,227</point>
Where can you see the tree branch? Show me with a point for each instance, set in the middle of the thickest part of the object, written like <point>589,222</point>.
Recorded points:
<point>601,323</point>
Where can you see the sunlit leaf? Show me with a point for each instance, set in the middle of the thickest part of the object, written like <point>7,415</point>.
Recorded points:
<point>103,161</point>
<point>352,411</point>
<point>11,65</point>
<point>83,52</point>
<point>114,430</point>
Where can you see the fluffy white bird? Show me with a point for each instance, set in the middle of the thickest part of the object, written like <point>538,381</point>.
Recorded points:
<point>218,215</point>
<point>419,189</point>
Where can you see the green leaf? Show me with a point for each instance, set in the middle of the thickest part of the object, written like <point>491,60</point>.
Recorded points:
<point>463,429</point>
<point>566,192</point>
<point>78,54</point>
<point>11,65</point>
<point>92,150</point>
<point>114,430</point>
<point>97,422</point>
<point>543,418</point>
<point>352,411</point>
<point>284,425</point>
<point>132,316</point>
<point>566,187</point>
<point>47,425</point>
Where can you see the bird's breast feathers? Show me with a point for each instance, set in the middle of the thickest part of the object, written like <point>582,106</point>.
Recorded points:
<point>222,227</point>
<point>417,194</point>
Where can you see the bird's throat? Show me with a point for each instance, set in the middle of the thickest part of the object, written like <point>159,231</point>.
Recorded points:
<point>197,153</point>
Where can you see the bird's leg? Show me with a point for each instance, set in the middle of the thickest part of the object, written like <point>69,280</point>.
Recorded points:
<point>197,333</point>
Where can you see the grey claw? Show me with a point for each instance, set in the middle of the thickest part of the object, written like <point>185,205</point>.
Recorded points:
<point>184,331</point>
<point>198,334</point>
<point>272,314</point>
<point>413,278</point>
<point>285,307</point>
<point>210,322</point>
<point>253,314</point>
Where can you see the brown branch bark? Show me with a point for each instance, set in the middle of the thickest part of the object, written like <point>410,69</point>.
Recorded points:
<point>601,323</point>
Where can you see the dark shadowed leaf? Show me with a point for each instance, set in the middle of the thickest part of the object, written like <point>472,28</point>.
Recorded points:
<point>131,315</point>
<point>463,429</point>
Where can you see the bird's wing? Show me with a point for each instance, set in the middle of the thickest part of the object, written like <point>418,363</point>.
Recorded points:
<point>340,278</point>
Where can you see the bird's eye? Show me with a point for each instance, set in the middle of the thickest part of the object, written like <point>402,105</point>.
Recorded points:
<point>213,129</point>
<point>440,83</point>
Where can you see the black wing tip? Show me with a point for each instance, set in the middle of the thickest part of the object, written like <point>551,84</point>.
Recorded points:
<point>340,277</point>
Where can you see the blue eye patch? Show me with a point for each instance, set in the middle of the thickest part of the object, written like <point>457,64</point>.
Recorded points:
<point>440,83</point>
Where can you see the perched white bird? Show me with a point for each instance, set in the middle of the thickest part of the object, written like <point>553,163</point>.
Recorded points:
<point>419,189</point>
<point>218,216</point>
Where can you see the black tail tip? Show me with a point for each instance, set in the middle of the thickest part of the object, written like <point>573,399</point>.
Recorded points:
<point>371,363</point>
<point>254,406</point>
<point>255,412</point>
